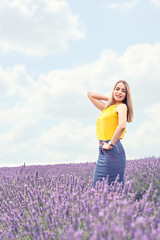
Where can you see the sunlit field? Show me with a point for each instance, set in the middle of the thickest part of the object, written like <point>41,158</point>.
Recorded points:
<point>58,202</point>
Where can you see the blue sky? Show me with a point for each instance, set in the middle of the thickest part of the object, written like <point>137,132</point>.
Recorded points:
<point>51,53</point>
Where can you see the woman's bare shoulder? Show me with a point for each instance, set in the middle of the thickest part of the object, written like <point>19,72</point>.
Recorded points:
<point>121,107</point>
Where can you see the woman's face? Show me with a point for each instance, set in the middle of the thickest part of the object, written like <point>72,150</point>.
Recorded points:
<point>119,92</point>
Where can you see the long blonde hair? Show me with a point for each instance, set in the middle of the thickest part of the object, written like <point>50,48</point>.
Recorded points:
<point>127,100</point>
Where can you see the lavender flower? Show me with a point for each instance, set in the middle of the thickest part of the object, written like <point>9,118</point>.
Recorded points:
<point>58,202</point>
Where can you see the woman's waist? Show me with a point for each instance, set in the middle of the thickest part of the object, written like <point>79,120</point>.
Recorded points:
<point>117,144</point>
<point>102,141</point>
<point>106,135</point>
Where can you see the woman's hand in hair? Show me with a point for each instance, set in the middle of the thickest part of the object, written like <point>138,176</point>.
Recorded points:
<point>96,100</point>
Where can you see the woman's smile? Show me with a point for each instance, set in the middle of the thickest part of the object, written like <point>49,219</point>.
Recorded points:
<point>119,93</point>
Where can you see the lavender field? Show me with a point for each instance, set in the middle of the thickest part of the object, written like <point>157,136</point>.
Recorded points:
<point>58,202</point>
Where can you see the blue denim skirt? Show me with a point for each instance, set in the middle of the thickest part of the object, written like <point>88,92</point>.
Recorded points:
<point>110,163</point>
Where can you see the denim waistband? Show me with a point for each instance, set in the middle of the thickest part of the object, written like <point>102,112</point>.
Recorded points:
<point>101,141</point>
<point>118,143</point>
<point>106,141</point>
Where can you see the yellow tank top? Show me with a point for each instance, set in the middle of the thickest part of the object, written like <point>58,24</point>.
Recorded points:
<point>107,123</point>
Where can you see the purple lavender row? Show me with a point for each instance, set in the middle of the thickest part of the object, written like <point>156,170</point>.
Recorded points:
<point>58,202</point>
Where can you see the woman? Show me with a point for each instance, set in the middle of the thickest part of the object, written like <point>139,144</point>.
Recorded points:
<point>110,129</point>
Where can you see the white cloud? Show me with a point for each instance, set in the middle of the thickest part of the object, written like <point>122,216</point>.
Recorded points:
<point>38,28</point>
<point>51,118</point>
<point>16,79</point>
<point>156,2</point>
<point>69,137</point>
<point>144,140</point>
<point>139,65</point>
<point>66,132</point>
<point>122,5</point>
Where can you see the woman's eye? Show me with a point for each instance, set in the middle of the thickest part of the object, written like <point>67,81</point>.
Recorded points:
<point>123,90</point>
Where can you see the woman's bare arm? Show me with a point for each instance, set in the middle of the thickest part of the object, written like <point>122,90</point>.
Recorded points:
<point>122,115</point>
<point>96,100</point>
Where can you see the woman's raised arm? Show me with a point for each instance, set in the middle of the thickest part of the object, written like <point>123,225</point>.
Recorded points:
<point>96,100</point>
